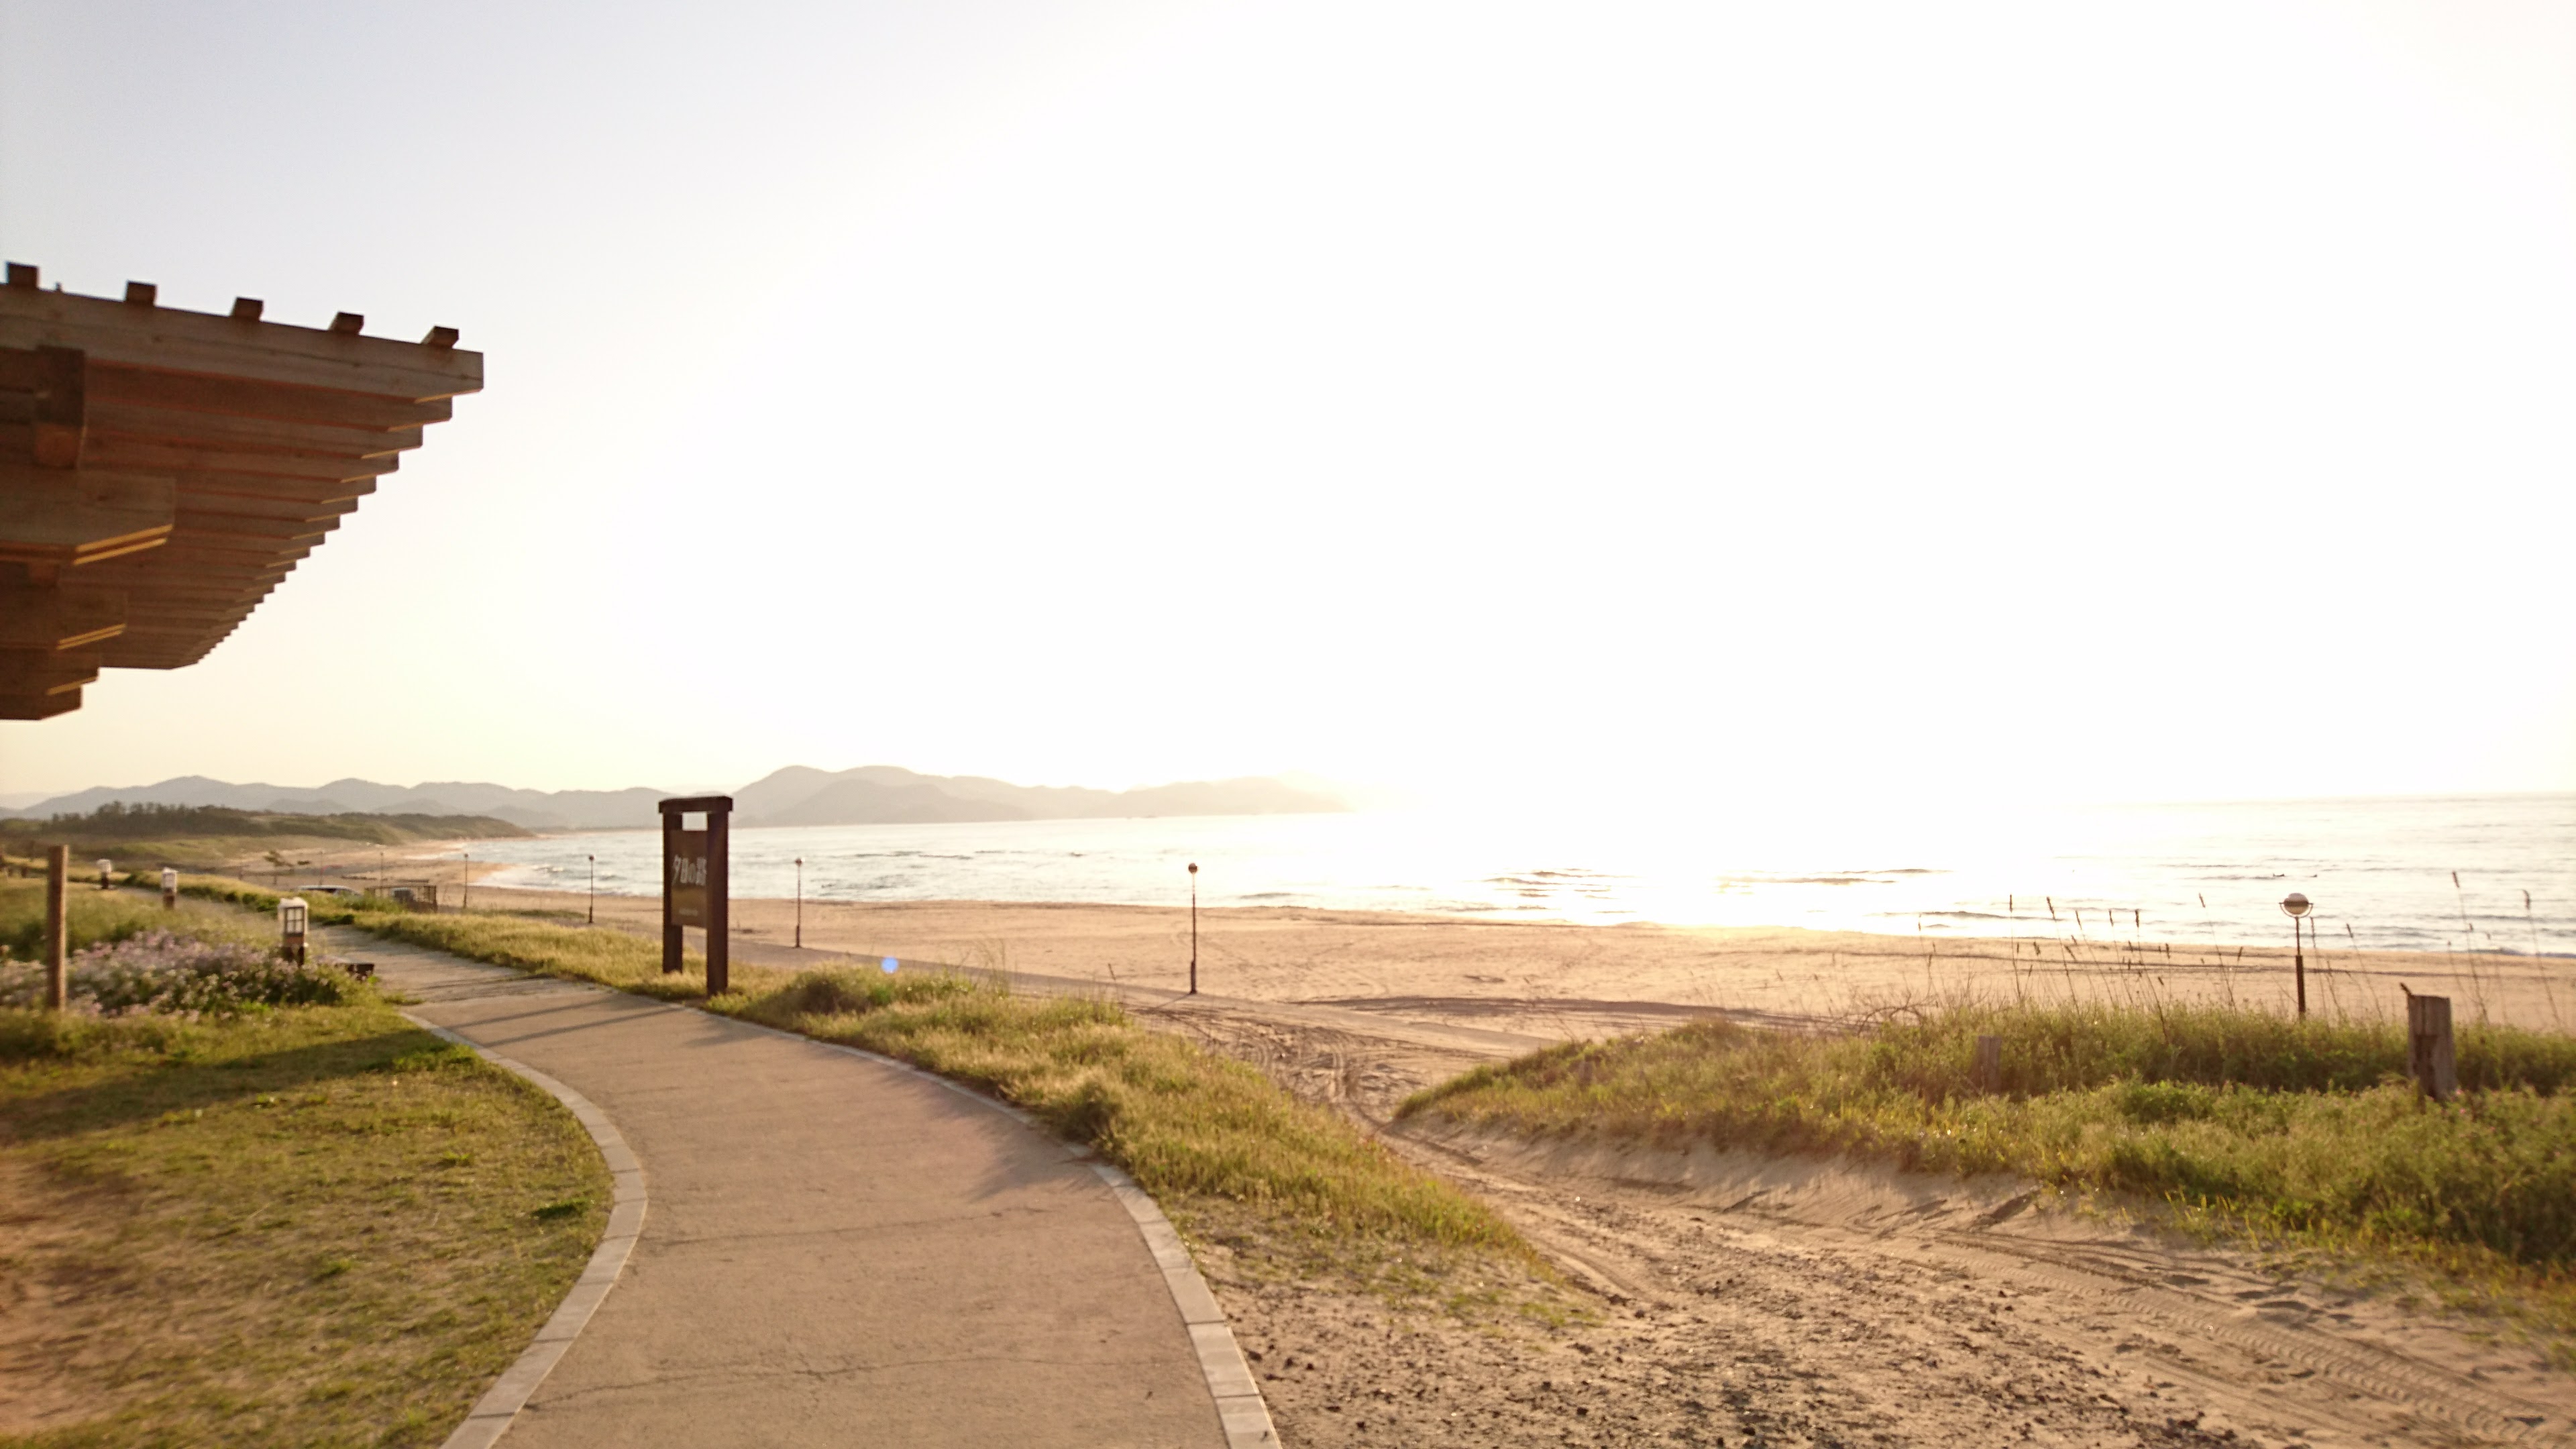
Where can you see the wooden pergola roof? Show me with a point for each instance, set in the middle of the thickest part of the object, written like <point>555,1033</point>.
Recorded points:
<point>161,471</point>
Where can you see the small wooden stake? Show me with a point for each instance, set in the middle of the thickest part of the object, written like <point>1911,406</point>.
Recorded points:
<point>58,879</point>
<point>2428,1047</point>
<point>1990,1064</point>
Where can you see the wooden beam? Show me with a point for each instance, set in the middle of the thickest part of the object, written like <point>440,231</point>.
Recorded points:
<point>194,525</point>
<point>204,582</point>
<point>190,630</point>
<point>53,379</point>
<point>200,568</point>
<point>111,451</point>
<point>304,490</point>
<point>196,576</point>
<point>239,397</point>
<point>184,552</point>
<point>234,505</point>
<point>69,516</point>
<point>38,706</point>
<point>59,616</point>
<point>169,649</point>
<point>178,555</point>
<point>46,671</point>
<point>180,427</point>
<point>201,342</point>
<point>228,582</point>
<point>229,586</point>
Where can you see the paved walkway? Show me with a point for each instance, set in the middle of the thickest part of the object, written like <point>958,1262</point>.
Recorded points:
<point>836,1251</point>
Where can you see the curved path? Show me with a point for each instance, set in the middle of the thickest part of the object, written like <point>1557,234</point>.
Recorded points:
<point>840,1250</point>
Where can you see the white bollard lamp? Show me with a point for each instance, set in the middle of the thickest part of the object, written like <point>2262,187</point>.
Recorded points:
<point>291,914</point>
<point>169,888</point>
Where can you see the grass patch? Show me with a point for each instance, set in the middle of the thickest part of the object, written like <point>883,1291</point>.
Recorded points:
<point>304,1226</point>
<point>2260,1127</point>
<point>527,943</point>
<point>1192,1127</point>
<point>93,916</point>
<point>1226,1151</point>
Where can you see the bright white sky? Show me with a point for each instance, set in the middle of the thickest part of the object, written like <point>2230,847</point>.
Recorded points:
<point>2160,400</point>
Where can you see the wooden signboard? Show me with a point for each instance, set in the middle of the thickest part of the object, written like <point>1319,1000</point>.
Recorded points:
<point>695,891</point>
<point>688,882</point>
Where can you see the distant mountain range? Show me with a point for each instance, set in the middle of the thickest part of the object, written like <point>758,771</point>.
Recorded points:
<point>797,795</point>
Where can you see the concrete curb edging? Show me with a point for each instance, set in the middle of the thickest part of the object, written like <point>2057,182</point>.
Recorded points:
<point>492,1414</point>
<point>1239,1405</point>
<point>1240,1409</point>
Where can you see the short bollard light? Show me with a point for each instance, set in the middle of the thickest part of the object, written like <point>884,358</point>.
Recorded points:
<point>290,928</point>
<point>169,888</point>
<point>106,868</point>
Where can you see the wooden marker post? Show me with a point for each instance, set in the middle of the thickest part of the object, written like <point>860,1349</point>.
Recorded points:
<point>58,879</point>
<point>695,886</point>
<point>2428,1047</point>
<point>1990,1064</point>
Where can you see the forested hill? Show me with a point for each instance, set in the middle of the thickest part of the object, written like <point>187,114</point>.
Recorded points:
<point>116,823</point>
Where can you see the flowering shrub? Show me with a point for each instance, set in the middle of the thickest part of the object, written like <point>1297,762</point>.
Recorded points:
<point>165,971</point>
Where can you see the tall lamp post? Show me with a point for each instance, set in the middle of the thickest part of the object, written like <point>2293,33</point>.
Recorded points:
<point>1194,928</point>
<point>467,903</point>
<point>593,917</point>
<point>800,903</point>
<point>2295,906</point>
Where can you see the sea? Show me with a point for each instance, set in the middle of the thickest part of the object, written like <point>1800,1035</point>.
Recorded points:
<point>2452,872</point>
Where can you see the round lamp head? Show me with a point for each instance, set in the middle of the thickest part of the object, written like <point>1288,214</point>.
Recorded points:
<point>1194,867</point>
<point>2295,904</point>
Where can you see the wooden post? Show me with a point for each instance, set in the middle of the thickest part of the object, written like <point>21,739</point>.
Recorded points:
<point>719,899</point>
<point>1990,1064</point>
<point>671,943</point>
<point>58,878</point>
<point>2428,1047</point>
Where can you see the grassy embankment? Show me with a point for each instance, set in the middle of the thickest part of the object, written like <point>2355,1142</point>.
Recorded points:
<point>2251,1125</point>
<point>312,1225</point>
<point>1230,1155</point>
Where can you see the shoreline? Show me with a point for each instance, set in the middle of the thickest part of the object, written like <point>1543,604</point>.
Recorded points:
<point>1562,980</point>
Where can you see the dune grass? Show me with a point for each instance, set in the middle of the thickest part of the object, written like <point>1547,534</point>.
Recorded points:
<point>1227,1152</point>
<point>2252,1124</point>
<point>303,1226</point>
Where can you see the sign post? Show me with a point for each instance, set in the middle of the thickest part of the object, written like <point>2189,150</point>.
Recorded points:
<point>695,889</point>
